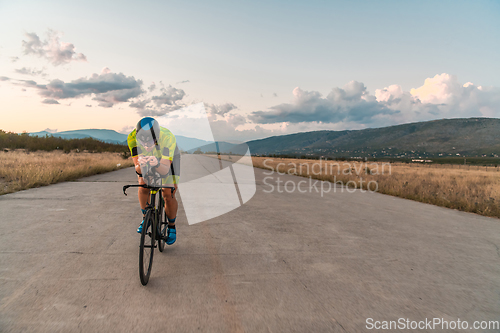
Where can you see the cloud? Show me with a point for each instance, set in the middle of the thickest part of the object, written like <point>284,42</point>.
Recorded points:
<point>185,81</point>
<point>4,78</point>
<point>50,101</point>
<point>236,120</point>
<point>442,96</point>
<point>169,100</point>
<point>50,130</point>
<point>14,59</point>
<point>112,97</point>
<point>140,104</point>
<point>221,109</point>
<point>226,130</point>
<point>30,71</point>
<point>126,129</point>
<point>152,87</point>
<point>51,49</point>
<point>352,103</point>
<point>28,83</point>
<point>441,89</point>
<point>275,95</point>
<point>169,96</point>
<point>88,105</point>
<point>108,88</point>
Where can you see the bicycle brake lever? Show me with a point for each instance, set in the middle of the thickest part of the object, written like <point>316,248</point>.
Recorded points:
<point>125,189</point>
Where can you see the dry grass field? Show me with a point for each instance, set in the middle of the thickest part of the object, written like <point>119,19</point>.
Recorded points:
<point>471,189</point>
<point>21,170</point>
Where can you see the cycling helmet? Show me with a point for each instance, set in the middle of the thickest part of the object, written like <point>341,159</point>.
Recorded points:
<point>148,131</point>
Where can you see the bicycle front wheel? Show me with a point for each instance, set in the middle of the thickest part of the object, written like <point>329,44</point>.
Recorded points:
<point>162,225</point>
<point>146,248</point>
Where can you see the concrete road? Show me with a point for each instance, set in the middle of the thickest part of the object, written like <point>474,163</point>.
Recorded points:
<point>283,262</point>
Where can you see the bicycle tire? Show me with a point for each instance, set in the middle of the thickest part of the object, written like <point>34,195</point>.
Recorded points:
<point>146,248</point>
<point>162,224</point>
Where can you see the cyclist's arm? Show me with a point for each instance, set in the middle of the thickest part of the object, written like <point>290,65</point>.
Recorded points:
<point>168,147</point>
<point>134,151</point>
<point>163,167</point>
<point>137,164</point>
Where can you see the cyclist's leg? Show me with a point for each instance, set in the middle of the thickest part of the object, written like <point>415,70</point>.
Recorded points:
<point>143,194</point>
<point>171,206</point>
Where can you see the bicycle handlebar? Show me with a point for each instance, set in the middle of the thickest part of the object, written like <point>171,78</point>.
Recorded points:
<point>125,187</point>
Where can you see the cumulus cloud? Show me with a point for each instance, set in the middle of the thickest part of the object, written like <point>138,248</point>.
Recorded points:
<point>110,98</point>
<point>30,71</point>
<point>4,78</point>
<point>27,83</point>
<point>140,104</point>
<point>221,109</point>
<point>441,89</point>
<point>126,129</point>
<point>225,130</point>
<point>442,96</point>
<point>14,59</point>
<point>169,100</point>
<point>51,49</point>
<point>170,96</point>
<point>107,88</point>
<point>350,103</point>
<point>236,120</point>
<point>50,101</point>
<point>152,87</point>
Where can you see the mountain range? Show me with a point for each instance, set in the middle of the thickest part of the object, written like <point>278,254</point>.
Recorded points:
<point>445,137</point>
<point>110,136</point>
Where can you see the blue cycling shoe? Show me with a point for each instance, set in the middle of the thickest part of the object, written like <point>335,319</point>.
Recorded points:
<point>171,236</point>
<point>139,230</point>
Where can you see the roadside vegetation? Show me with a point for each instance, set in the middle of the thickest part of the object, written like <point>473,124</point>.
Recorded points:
<point>22,170</point>
<point>30,161</point>
<point>467,188</point>
<point>473,161</point>
<point>9,140</point>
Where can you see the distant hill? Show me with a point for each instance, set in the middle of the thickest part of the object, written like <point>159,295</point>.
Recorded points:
<point>10,140</point>
<point>104,135</point>
<point>224,148</point>
<point>185,143</point>
<point>445,137</point>
<point>110,136</point>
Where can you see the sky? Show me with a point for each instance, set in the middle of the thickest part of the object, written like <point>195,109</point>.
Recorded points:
<point>260,68</point>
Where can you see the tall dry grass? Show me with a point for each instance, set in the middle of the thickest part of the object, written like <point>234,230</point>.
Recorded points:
<point>475,189</point>
<point>22,170</point>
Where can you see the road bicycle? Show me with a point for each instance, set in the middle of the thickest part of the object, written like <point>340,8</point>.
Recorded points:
<point>154,229</point>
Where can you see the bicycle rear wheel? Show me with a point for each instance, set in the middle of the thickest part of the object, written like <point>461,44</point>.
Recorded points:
<point>146,248</point>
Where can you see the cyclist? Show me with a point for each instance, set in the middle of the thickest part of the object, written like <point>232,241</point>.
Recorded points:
<point>154,147</point>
